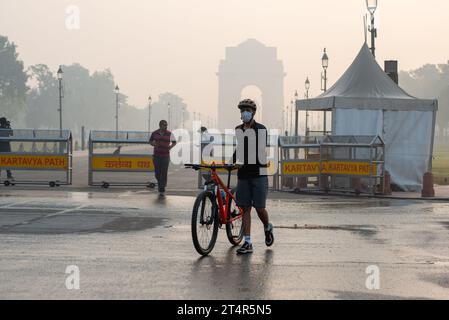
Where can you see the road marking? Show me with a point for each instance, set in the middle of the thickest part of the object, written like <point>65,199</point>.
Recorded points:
<point>15,203</point>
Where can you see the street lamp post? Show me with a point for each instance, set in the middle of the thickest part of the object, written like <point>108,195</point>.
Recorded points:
<point>149,113</point>
<point>307,86</point>
<point>324,64</point>
<point>283,120</point>
<point>291,116</point>
<point>169,115</point>
<point>371,5</point>
<point>296,114</point>
<point>60,74</point>
<point>117,92</point>
<point>183,117</point>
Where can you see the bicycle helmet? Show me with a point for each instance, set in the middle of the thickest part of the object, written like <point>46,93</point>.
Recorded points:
<point>247,103</point>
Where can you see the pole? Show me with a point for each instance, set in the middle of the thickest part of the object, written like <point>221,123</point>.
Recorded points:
<point>296,121</point>
<point>60,107</point>
<point>291,117</point>
<point>169,117</point>
<point>307,115</point>
<point>373,36</point>
<point>149,116</point>
<point>283,120</point>
<point>116,115</point>
<point>325,89</point>
<point>83,142</point>
<point>183,118</point>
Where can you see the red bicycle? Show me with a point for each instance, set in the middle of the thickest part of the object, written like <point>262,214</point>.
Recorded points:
<point>213,208</point>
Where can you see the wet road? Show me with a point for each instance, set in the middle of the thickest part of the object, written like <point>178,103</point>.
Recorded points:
<point>129,244</point>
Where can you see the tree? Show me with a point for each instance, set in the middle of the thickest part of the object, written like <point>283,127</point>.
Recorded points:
<point>89,101</point>
<point>159,110</point>
<point>13,79</point>
<point>42,99</point>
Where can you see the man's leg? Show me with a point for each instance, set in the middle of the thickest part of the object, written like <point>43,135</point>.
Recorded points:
<point>263,216</point>
<point>246,221</point>
<point>163,174</point>
<point>243,198</point>
<point>260,191</point>
<point>157,169</point>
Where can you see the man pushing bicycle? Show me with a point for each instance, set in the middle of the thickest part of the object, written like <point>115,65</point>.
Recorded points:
<point>252,186</point>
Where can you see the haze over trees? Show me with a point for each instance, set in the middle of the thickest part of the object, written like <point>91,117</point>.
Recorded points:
<point>89,98</point>
<point>431,81</point>
<point>13,79</point>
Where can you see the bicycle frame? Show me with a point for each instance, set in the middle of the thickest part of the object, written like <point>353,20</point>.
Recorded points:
<point>224,209</point>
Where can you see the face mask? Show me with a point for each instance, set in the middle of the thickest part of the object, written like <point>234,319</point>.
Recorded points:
<point>247,116</point>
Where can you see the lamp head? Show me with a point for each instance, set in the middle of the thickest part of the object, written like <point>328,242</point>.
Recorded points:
<point>60,73</point>
<point>325,60</point>
<point>371,5</point>
<point>307,84</point>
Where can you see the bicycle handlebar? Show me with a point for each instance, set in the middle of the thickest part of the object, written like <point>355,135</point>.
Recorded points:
<point>229,167</point>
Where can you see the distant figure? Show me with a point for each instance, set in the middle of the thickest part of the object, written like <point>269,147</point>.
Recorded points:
<point>286,155</point>
<point>162,140</point>
<point>117,151</point>
<point>5,146</point>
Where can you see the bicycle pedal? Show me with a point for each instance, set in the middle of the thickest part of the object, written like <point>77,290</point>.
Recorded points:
<point>234,214</point>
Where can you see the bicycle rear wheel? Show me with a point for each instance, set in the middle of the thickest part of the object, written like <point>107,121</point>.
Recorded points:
<point>204,223</point>
<point>234,229</point>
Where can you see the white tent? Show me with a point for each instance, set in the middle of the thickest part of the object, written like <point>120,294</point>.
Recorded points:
<point>365,101</point>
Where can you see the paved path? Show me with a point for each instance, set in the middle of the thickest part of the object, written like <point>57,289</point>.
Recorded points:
<point>129,244</point>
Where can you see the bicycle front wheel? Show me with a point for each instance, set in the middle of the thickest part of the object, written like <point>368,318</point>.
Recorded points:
<point>204,223</point>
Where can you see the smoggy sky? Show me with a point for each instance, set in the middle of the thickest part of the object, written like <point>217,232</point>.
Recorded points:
<point>154,46</point>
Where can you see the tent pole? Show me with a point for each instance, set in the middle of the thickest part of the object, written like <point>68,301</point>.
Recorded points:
<point>429,169</point>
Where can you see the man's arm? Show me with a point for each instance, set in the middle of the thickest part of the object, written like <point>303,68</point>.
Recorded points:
<point>234,155</point>
<point>152,140</point>
<point>173,141</point>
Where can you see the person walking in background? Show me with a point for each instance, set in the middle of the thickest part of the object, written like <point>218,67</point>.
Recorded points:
<point>162,140</point>
<point>5,146</point>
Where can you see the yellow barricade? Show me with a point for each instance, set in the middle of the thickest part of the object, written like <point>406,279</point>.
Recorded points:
<point>135,164</point>
<point>34,162</point>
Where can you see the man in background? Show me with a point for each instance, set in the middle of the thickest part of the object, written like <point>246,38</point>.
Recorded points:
<point>162,140</point>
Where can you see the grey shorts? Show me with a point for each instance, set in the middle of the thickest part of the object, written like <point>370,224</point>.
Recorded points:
<point>252,192</point>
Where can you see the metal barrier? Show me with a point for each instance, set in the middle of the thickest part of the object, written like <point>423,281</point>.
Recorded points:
<point>333,163</point>
<point>36,151</point>
<point>120,152</point>
<point>222,145</point>
<point>299,162</point>
<point>352,163</point>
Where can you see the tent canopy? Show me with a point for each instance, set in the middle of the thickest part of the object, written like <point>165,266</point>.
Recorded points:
<point>366,86</point>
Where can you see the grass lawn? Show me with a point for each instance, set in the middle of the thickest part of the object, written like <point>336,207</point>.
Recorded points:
<point>441,164</point>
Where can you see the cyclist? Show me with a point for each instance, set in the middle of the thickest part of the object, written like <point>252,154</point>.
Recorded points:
<point>252,185</point>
